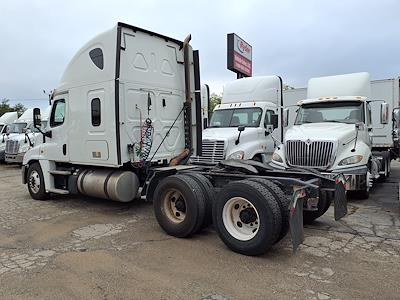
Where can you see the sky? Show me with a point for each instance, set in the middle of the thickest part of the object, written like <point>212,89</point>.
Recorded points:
<point>294,39</point>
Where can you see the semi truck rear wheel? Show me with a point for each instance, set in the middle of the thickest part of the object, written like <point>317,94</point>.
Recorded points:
<point>247,217</point>
<point>35,182</point>
<point>323,205</point>
<point>179,205</point>
<point>283,201</point>
<point>209,194</point>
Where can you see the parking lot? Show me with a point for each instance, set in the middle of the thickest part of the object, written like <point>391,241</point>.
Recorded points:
<point>88,248</point>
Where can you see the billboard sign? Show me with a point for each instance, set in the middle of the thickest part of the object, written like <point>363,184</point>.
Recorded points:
<point>239,56</point>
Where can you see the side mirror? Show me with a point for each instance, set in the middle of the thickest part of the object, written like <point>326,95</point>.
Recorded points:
<point>241,128</point>
<point>384,113</point>
<point>286,117</point>
<point>24,130</point>
<point>37,118</point>
<point>274,121</point>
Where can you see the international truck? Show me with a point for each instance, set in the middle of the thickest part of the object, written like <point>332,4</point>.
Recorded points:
<point>28,136</point>
<point>335,132</point>
<point>124,122</point>
<point>5,120</point>
<point>241,127</point>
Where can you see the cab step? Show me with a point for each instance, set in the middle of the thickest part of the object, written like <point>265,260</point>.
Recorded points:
<point>58,191</point>
<point>60,172</point>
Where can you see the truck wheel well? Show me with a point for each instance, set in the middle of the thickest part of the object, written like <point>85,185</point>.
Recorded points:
<point>257,157</point>
<point>26,170</point>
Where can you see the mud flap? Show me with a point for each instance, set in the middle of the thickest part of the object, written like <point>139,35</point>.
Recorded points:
<point>340,200</point>
<point>296,217</point>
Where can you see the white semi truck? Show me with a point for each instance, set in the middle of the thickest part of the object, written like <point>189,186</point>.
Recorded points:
<point>5,120</point>
<point>334,132</point>
<point>28,136</point>
<point>125,120</point>
<point>241,127</point>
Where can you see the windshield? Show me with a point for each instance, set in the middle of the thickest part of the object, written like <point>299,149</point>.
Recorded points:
<point>342,112</point>
<point>16,127</point>
<point>248,117</point>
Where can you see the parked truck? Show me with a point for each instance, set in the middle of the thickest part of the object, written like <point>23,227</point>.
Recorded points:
<point>241,127</point>
<point>28,136</point>
<point>124,121</point>
<point>334,133</point>
<point>5,120</point>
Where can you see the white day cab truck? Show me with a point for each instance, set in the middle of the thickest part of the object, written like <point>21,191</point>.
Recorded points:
<point>124,122</point>
<point>23,136</point>
<point>5,120</point>
<point>333,133</point>
<point>241,126</point>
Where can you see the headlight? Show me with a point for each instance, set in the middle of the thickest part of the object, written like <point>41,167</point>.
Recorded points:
<point>277,157</point>
<point>351,160</point>
<point>236,155</point>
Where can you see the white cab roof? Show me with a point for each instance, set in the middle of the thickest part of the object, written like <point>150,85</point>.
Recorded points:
<point>253,89</point>
<point>8,117</point>
<point>355,84</point>
<point>26,117</point>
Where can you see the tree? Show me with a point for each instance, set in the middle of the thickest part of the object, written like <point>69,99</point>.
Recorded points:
<point>5,107</point>
<point>215,99</point>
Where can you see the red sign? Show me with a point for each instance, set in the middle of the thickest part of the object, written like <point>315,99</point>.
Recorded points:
<point>239,55</point>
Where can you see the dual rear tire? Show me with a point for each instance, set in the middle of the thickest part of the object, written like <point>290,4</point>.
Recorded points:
<point>249,215</point>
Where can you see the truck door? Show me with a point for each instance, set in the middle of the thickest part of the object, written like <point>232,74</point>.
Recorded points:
<point>56,147</point>
<point>269,142</point>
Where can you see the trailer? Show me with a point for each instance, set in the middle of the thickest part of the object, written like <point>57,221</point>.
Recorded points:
<point>124,122</point>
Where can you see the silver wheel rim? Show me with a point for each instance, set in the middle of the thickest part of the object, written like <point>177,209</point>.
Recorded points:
<point>369,181</point>
<point>174,206</point>
<point>241,218</point>
<point>34,182</point>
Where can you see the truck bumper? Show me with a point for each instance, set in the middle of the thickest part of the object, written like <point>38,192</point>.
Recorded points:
<point>15,158</point>
<point>356,178</point>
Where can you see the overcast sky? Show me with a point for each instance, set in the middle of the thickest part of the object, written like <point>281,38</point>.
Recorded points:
<point>294,39</point>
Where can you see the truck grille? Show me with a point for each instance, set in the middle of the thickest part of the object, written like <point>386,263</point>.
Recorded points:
<point>314,154</point>
<point>12,147</point>
<point>212,152</point>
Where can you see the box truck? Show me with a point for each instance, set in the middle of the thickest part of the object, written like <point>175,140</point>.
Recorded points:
<point>124,121</point>
<point>334,132</point>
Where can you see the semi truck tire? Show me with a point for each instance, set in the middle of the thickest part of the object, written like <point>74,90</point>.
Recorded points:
<point>209,194</point>
<point>247,217</point>
<point>179,205</point>
<point>323,205</point>
<point>386,162</point>
<point>283,202</point>
<point>35,182</point>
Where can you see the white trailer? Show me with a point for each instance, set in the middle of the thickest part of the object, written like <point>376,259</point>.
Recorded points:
<point>125,120</point>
